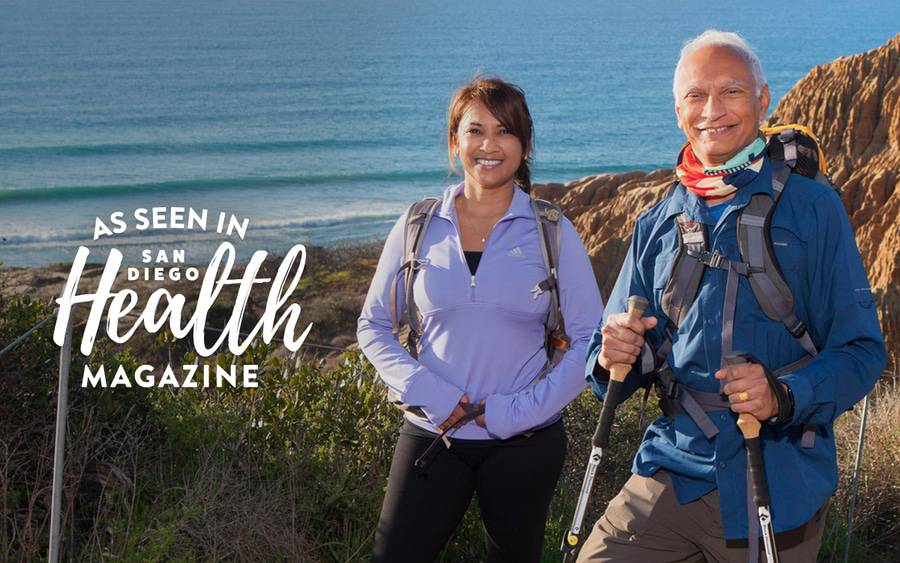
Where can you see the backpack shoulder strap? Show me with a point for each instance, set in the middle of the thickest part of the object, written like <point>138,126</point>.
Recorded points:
<point>549,224</point>
<point>755,242</point>
<point>686,271</point>
<point>754,226</point>
<point>418,217</point>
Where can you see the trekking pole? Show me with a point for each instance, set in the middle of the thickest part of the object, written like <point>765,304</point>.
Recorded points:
<point>749,427</point>
<point>600,440</point>
<point>472,411</point>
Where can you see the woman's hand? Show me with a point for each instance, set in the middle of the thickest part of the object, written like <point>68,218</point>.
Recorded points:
<point>479,420</point>
<point>457,414</point>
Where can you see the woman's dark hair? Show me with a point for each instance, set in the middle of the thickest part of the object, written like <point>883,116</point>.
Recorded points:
<point>506,102</point>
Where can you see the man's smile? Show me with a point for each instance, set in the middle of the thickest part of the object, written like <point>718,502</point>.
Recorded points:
<point>715,131</point>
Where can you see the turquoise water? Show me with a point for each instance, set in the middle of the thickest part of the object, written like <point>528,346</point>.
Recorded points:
<point>320,121</point>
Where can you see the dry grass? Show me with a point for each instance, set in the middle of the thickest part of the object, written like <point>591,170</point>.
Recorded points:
<point>134,492</point>
<point>876,519</point>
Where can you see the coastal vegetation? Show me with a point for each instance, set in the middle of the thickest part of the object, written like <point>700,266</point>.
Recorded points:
<point>296,468</point>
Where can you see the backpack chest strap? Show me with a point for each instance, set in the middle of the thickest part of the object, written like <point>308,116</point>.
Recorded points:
<point>717,260</point>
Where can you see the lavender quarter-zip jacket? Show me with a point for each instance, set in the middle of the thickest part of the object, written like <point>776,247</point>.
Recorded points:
<point>483,334</point>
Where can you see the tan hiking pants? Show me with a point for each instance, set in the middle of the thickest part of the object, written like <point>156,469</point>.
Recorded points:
<point>645,524</point>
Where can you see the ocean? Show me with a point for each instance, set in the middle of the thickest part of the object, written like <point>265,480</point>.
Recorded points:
<point>321,121</point>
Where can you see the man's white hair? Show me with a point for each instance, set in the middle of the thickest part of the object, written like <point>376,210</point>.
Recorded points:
<point>728,39</point>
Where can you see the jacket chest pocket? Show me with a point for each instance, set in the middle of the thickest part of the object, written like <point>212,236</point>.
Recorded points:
<point>789,250</point>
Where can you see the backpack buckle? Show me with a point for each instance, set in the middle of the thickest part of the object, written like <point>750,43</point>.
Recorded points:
<point>787,135</point>
<point>797,329</point>
<point>672,389</point>
<point>541,287</point>
<point>664,381</point>
<point>711,259</point>
<point>667,389</point>
<point>716,260</point>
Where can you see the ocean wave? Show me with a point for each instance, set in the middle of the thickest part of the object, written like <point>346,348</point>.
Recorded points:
<point>545,173</point>
<point>344,220</point>
<point>213,184</point>
<point>327,221</point>
<point>216,148</point>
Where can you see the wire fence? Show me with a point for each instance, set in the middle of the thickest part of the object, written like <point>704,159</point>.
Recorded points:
<point>28,333</point>
<point>25,335</point>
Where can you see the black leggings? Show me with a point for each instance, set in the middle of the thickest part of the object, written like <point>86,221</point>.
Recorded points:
<point>514,479</point>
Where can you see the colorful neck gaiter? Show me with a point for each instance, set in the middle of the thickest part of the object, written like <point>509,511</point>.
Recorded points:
<point>724,180</point>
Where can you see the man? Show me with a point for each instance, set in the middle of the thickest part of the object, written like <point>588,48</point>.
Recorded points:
<point>687,499</point>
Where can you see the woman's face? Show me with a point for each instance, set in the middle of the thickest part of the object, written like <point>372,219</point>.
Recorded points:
<point>490,154</point>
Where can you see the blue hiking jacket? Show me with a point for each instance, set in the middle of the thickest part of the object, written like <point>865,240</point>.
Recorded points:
<point>817,253</point>
<point>483,334</point>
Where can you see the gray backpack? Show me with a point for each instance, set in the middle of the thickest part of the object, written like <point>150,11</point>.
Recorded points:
<point>418,218</point>
<point>792,149</point>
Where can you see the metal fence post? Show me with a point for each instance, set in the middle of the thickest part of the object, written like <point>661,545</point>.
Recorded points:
<point>856,467</point>
<point>62,412</point>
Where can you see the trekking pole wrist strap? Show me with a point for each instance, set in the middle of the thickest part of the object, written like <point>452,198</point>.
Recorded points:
<point>785,398</point>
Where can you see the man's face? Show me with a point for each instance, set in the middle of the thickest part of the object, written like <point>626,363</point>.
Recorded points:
<point>717,105</point>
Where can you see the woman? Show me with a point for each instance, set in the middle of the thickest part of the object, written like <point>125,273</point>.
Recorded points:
<point>482,342</point>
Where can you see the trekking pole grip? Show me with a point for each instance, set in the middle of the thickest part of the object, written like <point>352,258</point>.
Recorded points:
<point>750,429</point>
<point>617,373</point>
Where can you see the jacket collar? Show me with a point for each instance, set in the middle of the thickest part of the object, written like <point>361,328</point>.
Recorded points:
<point>684,200</point>
<point>520,206</point>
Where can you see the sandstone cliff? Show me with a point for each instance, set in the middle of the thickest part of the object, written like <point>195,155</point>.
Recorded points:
<point>853,103</point>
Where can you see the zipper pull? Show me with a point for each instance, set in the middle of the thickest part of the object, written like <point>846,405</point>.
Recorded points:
<point>472,284</point>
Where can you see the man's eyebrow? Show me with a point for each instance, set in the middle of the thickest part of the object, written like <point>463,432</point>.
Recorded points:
<point>729,82</point>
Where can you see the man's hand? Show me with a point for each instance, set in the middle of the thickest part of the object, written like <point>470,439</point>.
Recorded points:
<point>748,390</point>
<point>457,414</point>
<point>623,339</point>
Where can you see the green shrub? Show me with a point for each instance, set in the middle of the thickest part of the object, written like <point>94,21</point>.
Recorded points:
<point>294,469</point>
